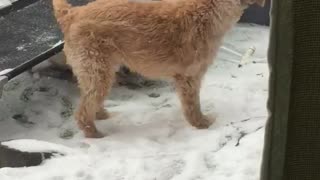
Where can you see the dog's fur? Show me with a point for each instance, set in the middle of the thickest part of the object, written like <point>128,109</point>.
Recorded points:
<point>175,39</point>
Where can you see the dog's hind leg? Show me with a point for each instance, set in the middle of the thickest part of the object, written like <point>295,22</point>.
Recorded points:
<point>95,81</point>
<point>102,114</point>
<point>188,89</point>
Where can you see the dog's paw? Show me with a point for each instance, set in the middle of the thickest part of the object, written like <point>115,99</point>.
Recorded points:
<point>102,115</point>
<point>96,134</point>
<point>204,123</point>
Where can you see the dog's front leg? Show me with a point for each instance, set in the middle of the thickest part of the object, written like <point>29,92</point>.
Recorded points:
<point>188,89</point>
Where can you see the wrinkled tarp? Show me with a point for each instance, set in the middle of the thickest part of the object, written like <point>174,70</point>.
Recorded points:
<point>292,143</point>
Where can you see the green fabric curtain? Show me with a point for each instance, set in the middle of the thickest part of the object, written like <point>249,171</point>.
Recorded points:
<point>292,140</point>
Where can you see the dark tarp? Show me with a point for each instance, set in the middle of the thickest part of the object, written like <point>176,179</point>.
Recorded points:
<point>257,15</point>
<point>28,32</point>
<point>292,144</point>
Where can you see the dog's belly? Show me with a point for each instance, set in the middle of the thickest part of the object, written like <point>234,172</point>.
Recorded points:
<point>166,69</point>
<point>151,70</point>
<point>158,61</point>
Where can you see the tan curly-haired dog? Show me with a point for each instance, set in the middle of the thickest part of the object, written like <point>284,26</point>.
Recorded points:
<point>175,39</point>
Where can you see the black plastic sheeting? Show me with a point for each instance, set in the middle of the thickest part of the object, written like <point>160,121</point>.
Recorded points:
<point>28,32</point>
<point>10,157</point>
<point>257,15</point>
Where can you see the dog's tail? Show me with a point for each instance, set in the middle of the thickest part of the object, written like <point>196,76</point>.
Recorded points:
<point>61,9</point>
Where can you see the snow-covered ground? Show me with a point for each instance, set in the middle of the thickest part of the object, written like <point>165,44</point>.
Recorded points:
<point>148,138</point>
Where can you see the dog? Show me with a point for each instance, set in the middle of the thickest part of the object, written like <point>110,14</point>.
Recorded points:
<point>172,39</point>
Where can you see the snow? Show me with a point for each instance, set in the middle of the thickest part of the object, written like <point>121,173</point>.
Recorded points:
<point>57,44</point>
<point>148,138</point>
<point>32,145</point>
<point>4,3</point>
<point>3,72</point>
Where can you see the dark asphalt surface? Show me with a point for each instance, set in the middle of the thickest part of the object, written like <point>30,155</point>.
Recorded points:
<point>28,32</point>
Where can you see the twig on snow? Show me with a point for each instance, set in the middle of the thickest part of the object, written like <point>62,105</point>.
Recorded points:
<point>243,134</point>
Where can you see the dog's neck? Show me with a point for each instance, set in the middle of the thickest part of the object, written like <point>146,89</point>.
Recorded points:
<point>216,16</point>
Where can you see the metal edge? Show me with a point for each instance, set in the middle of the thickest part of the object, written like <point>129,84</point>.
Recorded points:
<point>3,80</point>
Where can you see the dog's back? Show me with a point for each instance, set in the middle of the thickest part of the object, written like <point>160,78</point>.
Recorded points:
<point>163,34</point>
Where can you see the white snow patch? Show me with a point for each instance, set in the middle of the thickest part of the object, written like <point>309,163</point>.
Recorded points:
<point>21,47</point>
<point>32,145</point>
<point>4,3</point>
<point>57,44</point>
<point>3,72</point>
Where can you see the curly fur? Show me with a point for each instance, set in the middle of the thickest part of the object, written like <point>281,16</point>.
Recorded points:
<point>174,39</point>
